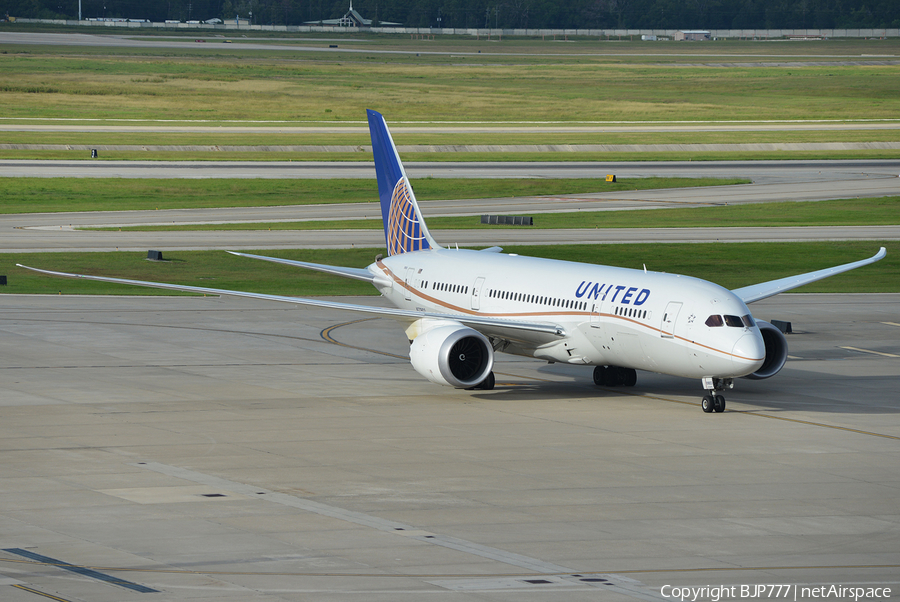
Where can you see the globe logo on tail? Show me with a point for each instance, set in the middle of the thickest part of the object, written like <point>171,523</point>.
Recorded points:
<point>404,228</point>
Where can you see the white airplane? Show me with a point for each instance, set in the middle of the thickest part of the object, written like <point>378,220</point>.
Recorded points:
<point>461,306</point>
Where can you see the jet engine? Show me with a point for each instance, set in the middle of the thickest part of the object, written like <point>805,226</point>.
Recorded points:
<point>776,351</point>
<point>452,355</point>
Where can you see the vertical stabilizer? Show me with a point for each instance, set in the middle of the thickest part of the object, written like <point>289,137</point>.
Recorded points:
<point>404,228</point>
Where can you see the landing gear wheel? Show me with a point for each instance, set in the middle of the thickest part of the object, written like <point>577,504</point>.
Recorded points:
<point>606,376</point>
<point>486,385</point>
<point>614,376</point>
<point>719,404</point>
<point>610,379</point>
<point>708,403</point>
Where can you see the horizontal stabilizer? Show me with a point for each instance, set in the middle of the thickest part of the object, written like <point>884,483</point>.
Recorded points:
<point>355,273</point>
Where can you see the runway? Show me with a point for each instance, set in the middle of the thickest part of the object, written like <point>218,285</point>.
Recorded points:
<point>99,39</point>
<point>760,172</point>
<point>222,449</point>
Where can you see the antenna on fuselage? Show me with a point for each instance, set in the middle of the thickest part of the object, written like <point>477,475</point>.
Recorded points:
<point>645,268</point>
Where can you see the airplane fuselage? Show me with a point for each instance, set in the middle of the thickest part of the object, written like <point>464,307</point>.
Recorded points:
<point>654,321</point>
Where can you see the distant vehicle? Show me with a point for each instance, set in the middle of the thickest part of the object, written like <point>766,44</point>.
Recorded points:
<point>202,41</point>
<point>213,21</point>
<point>226,41</point>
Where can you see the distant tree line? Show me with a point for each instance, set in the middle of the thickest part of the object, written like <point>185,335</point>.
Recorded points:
<point>504,14</point>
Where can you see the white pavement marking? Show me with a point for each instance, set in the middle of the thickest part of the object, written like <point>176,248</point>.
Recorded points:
<point>869,351</point>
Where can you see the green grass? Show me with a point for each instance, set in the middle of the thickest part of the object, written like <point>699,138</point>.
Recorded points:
<point>299,137</point>
<point>215,269</point>
<point>845,212</point>
<point>45,195</point>
<point>870,154</point>
<point>731,265</point>
<point>527,81</point>
<point>239,84</point>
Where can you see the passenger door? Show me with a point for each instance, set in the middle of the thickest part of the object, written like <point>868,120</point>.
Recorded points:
<point>667,330</point>
<point>476,293</point>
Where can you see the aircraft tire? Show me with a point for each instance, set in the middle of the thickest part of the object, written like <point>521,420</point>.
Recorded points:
<point>610,376</point>
<point>719,404</point>
<point>630,377</point>
<point>488,383</point>
<point>707,404</point>
<point>598,375</point>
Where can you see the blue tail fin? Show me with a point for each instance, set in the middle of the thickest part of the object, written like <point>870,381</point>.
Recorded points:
<point>404,228</point>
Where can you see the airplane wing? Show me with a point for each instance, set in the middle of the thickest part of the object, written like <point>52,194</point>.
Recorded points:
<point>532,332</point>
<point>757,292</point>
<point>355,273</point>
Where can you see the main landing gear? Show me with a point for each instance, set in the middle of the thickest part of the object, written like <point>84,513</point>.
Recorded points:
<point>712,401</point>
<point>486,385</point>
<point>615,376</point>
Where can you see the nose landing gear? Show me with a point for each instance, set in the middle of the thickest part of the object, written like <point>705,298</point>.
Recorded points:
<point>712,401</point>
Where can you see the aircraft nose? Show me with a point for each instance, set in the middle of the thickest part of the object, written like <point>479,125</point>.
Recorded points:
<point>749,352</point>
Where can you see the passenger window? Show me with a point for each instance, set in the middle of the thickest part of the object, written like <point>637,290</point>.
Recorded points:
<point>714,321</point>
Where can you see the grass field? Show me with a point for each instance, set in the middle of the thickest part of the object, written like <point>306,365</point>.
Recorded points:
<point>731,265</point>
<point>568,85</point>
<point>48,195</point>
<point>846,212</point>
<point>458,81</point>
<point>226,90</point>
<point>299,137</point>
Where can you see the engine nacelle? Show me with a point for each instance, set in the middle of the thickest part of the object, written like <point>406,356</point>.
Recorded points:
<point>452,355</point>
<point>776,351</point>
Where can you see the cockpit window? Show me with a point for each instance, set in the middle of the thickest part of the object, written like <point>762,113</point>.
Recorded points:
<point>731,321</point>
<point>734,321</point>
<point>714,321</point>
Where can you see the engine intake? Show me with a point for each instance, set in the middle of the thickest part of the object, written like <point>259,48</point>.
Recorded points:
<point>776,351</point>
<point>452,355</point>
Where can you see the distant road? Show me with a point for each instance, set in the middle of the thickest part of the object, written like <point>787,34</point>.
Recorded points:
<point>761,172</point>
<point>26,241</point>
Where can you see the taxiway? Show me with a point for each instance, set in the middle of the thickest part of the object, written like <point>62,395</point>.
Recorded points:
<point>224,449</point>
